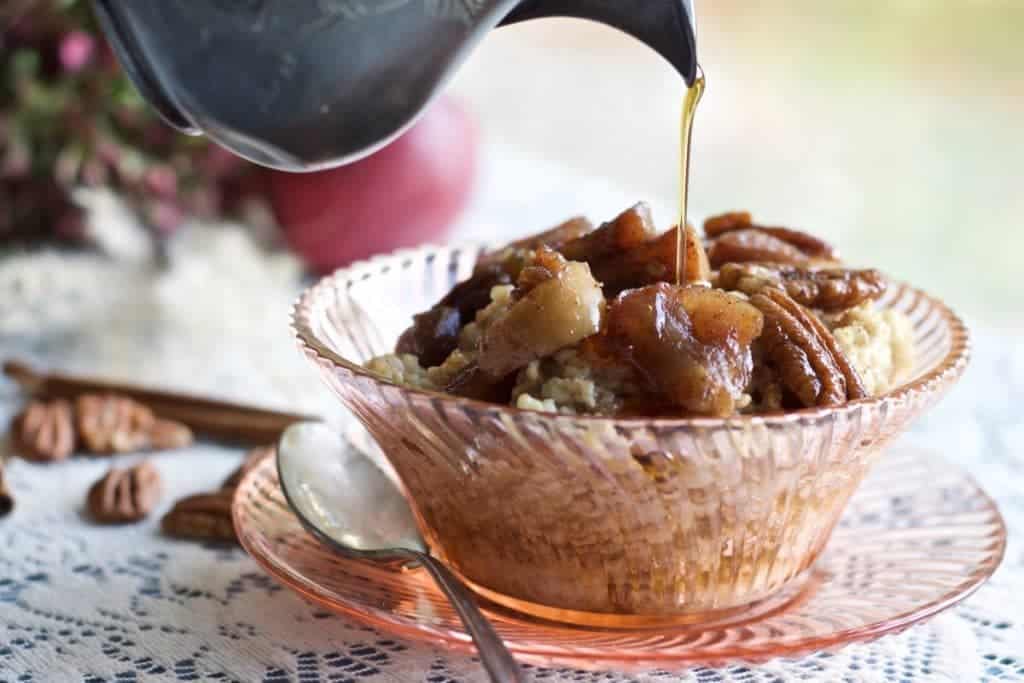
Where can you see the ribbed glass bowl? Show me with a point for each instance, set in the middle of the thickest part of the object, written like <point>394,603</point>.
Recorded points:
<point>603,521</point>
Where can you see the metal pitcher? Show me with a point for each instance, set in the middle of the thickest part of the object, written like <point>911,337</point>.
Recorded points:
<point>306,84</point>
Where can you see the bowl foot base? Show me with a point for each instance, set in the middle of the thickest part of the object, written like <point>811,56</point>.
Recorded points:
<point>795,591</point>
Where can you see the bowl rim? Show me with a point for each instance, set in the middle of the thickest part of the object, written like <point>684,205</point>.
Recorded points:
<point>950,367</point>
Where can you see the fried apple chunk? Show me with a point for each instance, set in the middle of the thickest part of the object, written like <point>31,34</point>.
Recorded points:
<point>553,238</point>
<point>690,344</point>
<point>433,335</point>
<point>559,304</point>
<point>630,228</point>
<point>652,261</point>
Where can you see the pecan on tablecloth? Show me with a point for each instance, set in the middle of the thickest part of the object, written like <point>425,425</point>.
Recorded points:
<point>125,495</point>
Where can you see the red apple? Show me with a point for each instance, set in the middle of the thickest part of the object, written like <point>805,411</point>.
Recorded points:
<point>407,193</point>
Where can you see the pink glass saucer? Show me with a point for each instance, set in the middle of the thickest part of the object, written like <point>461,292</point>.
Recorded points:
<point>918,536</point>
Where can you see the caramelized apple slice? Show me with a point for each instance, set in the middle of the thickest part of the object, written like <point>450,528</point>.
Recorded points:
<point>698,268</point>
<point>692,345</point>
<point>557,312</point>
<point>652,261</point>
<point>433,335</point>
<point>718,316</point>
<point>631,227</point>
<point>469,296</point>
<point>626,252</point>
<point>554,238</point>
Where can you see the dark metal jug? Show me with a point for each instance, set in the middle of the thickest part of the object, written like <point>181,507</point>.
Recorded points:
<point>308,84</point>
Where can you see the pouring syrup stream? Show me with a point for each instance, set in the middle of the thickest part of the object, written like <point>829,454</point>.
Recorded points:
<point>690,101</point>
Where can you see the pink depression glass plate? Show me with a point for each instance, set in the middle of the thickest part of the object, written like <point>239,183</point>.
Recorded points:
<point>917,537</point>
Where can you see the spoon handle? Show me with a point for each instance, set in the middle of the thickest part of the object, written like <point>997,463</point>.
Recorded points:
<point>494,655</point>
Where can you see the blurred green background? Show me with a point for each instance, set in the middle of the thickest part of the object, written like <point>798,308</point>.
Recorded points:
<point>894,128</point>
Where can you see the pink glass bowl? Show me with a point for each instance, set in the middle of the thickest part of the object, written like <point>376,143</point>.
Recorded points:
<point>901,553</point>
<point>603,521</point>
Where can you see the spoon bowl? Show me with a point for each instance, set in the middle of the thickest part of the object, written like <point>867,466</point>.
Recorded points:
<point>352,507</point>
<point>342,497</point>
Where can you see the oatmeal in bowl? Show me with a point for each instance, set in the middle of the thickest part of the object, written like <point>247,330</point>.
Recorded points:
<point>597,321</point>
<point>584,439</point>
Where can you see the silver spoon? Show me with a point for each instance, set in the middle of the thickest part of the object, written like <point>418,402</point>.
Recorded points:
<point>352,507</point>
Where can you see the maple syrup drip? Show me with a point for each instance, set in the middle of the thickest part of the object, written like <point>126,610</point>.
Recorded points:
<point>693,95</point>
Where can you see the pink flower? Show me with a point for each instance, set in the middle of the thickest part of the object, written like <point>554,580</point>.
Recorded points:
<point>161,180</point>
<point>76,50</point>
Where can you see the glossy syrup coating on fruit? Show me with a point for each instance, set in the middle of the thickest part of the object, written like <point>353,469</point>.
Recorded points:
<point>558,312</point>
<point>691,344</point>
<point>585,320</point>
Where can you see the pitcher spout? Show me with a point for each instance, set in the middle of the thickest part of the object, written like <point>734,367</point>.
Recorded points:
<point>667,26</point>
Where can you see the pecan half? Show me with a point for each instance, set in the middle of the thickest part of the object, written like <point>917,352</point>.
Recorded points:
<point>808,359</point>
<point>827,289</point>
<point>167,435</point>
<point>45,431</point>
<point>112,424</point>
<point>752,245</point>
<point>124,495</point>
<point>727,222</point>
<point>108,423</point>
<point>736,238</point>
<point>252,458</point>
<point>206,516</point>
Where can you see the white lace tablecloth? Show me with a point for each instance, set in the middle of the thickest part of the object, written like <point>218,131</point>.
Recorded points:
<point>91,604</point>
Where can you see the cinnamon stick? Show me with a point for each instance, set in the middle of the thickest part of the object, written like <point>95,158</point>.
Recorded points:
<point>218,419</point>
